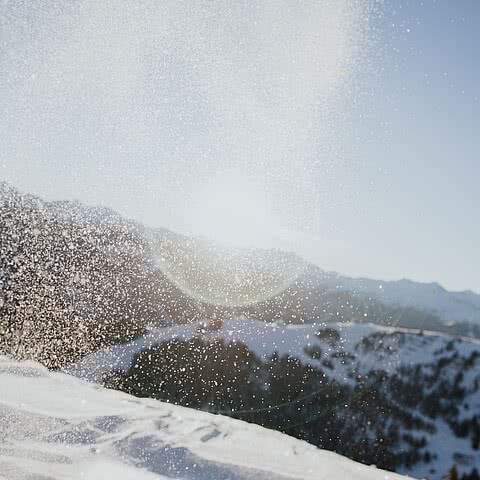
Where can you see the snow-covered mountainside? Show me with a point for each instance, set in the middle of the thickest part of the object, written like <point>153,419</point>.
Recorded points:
<point>451,307</point>
<point>54,426</point>
<point>425,393</point>
<point>89,279</point>
<point>104,279</point>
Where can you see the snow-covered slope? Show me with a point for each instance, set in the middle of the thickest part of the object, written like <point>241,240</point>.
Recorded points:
<point>407,347</point>
<point>55,426</point>
<point>360,349</point>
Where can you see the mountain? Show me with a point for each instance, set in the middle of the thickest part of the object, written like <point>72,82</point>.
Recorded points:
<point>350,365</point>
<point>404,400</point>
<point>87,278</point>
<point>55,426</point>
<point>74,279</point>
<point>67,211</point>
<point>450,307</point>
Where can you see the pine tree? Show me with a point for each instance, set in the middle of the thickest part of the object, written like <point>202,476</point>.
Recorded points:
<point>452,474</point>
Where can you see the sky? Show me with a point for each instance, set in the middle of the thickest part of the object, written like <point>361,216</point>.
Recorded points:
<point>416,196</point>
<point>346,131</point>
<point>424,201</point>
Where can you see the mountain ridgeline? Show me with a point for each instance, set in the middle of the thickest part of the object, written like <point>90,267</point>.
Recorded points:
<point>78,283</point>
<point>75,279</point>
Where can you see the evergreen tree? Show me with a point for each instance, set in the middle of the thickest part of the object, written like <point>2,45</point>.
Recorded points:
<point>452,474</point>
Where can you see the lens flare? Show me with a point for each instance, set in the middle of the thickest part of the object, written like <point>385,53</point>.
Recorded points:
<point>215,119</point>
<point>225,276</point>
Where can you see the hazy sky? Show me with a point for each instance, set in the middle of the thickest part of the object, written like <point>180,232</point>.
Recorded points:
<point>422,211</point>
<point>350,134</point>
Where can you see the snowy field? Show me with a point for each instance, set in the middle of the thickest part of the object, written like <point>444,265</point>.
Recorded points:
<point>55,426</point>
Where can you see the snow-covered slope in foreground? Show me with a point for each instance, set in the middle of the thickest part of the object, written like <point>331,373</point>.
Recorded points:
<point>54,426</point>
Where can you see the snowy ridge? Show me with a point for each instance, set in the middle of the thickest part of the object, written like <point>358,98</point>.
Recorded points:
<point>58,427</point>
<point>264,339</point>
<point>431,297</point>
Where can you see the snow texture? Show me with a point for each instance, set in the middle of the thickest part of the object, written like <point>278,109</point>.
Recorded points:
<point>55,426</point>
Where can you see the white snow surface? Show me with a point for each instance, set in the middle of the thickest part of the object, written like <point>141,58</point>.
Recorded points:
<point>55,426</point>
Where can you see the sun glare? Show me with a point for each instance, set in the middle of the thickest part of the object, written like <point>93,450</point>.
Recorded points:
<point>234,211</point>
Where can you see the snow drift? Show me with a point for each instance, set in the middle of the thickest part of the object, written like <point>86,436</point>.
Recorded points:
<point>56,426</point>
